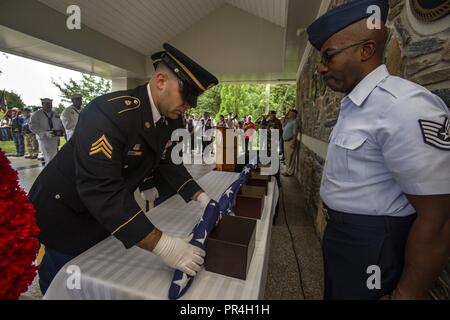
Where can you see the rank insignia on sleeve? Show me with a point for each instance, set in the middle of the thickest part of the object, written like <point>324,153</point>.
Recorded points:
<point>436,134</point>
<point>101,146</point>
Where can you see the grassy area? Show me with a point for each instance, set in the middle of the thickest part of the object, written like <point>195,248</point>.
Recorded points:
<point>9,148</point>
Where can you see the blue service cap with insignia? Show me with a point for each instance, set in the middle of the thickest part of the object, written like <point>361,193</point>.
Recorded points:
<point>341,17</point>
<point>43,100</point>
<point>194,77</point>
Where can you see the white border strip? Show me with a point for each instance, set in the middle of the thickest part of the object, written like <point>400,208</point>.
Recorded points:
<point>315,145</point>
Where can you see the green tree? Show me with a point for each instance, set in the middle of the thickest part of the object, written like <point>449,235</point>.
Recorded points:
<point>13,100</point>
<point>282,98</point>
<point>242,99</point>
<point>89,87</point>
<point>59,109</point>
<point>209,101</point>
<point>245,99</point>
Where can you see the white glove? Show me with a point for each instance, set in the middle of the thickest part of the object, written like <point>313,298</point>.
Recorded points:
<point>150,194</point>
<point>49,134</point>
<point>180,254</point>
<point>203,199</point>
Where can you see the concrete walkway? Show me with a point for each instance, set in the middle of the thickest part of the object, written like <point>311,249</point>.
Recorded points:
<point>295,264</point>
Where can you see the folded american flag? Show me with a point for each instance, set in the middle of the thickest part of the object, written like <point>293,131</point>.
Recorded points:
<point>211,217</point>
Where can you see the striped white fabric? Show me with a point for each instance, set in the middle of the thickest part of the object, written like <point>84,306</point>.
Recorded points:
<point>109,271</point>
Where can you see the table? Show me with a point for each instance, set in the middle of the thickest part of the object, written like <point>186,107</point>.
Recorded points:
<point>108,271</point>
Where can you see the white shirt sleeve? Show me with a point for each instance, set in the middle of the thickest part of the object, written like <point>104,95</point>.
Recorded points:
<point>420,168</point>
<point>36,123</point>
<point>68,119</point>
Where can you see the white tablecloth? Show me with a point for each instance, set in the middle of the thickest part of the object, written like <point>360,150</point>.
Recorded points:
<point>109,271</point>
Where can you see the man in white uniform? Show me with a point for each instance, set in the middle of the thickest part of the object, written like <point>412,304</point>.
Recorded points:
<point>48,128</point>
<point>69,116</point>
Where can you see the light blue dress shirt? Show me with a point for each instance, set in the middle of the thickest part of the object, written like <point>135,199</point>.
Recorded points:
<point>290,129</point>
<point>392,138</point>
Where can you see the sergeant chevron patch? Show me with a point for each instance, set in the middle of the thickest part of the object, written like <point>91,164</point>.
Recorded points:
<point>101,146</point>
<point>436,134</point>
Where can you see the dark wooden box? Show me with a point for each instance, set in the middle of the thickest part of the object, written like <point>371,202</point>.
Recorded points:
<point>258,176</point>
<point>230,246</point>
<point>250,202</point>
<point>259,183</point>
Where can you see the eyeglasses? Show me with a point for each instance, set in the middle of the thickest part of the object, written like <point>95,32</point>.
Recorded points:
<point>327,55</point>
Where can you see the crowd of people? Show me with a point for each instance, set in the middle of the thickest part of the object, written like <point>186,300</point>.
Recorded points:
<point>15,126</point>
<point>36,132</point>
<point>199,128</point>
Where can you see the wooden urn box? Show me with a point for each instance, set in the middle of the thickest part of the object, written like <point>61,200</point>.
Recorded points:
<point>258,180</point>
<point>250,202</point>
<point>230,246</point>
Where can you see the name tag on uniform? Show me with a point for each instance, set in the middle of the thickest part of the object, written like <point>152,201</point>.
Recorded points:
<point>135,153</point>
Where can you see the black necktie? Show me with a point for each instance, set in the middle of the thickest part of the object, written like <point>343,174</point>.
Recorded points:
<point>50,122</point>
<point>161,123</point>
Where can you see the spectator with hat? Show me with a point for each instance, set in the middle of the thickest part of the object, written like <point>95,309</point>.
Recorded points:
<point>69,117</point>
<point>5,127</point>
<point>30,138</point>
<point>16,130</point>
<point>48,128</point>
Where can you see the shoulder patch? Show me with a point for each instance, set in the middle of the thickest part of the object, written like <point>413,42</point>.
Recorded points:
<point>103,146</point>
<point>436,134</point>
<point>129,103</point>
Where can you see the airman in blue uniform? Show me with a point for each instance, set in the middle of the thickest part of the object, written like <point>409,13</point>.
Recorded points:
<point>386,181</point>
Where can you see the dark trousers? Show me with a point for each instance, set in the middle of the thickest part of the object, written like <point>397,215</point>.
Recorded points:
<point>282,147</point>
<point>5,134</point>
<point>19,142</point>
<point>52,262</point>
<point>352,243</point>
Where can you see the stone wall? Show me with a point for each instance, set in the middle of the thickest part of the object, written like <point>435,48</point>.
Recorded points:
<point>414,52</point>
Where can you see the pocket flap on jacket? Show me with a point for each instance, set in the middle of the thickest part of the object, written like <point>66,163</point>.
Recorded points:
<point>349,141</point>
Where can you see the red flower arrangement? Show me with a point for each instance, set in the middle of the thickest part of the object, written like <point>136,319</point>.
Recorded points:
<point>19,244</point>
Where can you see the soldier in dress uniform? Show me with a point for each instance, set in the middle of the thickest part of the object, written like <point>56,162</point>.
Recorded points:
<point>48,128</point>
<point>69,116</point>
<point>386,181</point>
<point>86,194</point>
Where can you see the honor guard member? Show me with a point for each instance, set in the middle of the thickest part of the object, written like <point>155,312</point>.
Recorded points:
<point>386,180</point>
<point>47,126</point>
<point>86,194</point>
<point>69,116</point>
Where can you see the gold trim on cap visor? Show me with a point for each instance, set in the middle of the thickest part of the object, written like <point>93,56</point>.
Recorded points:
<point>189,73</point>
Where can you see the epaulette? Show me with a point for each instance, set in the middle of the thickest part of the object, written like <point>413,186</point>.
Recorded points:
<point>123,104</point>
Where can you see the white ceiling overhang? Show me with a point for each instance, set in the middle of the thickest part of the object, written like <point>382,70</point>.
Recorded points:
<point>239,40</point>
